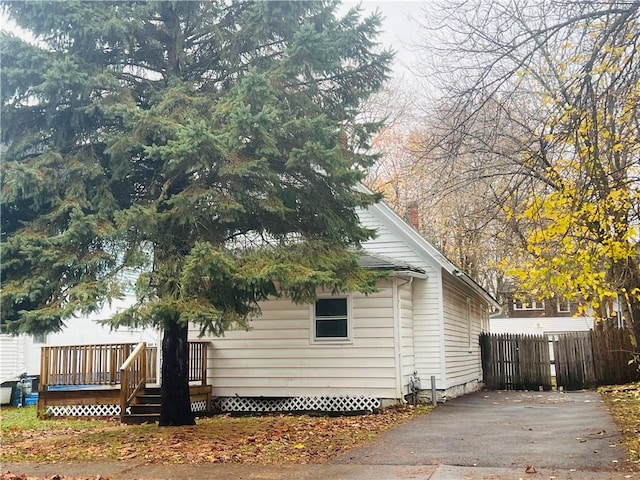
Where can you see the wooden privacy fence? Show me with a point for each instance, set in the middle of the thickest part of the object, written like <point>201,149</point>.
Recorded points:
<point>573,359</point>
<point>580,360</point>
<point>612,351</point>
<point>515,362</point>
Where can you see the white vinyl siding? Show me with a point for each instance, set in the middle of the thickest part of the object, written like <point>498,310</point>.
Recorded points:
<point>427,299</point>
<point>462,326</point>
<point>84,330</point>
<point>13,361</point>
<point>406,333</point>
<point>277,357</point>
<point>428,342</point>
<point>387,243</point>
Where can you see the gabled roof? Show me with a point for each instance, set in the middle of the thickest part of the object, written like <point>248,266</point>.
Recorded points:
<point>421,244</point>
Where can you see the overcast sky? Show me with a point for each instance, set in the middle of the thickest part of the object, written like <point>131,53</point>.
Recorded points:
<point>400,28</point>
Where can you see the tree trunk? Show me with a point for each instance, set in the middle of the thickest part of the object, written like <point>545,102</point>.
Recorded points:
<point>633,315</point>
<point>176,405</point>
<point>626,275</point>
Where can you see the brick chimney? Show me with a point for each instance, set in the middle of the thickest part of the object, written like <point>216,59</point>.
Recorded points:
<point>413,215</point>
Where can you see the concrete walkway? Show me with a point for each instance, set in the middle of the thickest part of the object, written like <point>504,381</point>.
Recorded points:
<point>134,471</point>
<point>486,435</point>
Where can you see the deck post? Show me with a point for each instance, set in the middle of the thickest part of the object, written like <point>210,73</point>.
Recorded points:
<point>44,368</point>
<point>44,381</point>
<point>203,371</point>
<point>124,382</point>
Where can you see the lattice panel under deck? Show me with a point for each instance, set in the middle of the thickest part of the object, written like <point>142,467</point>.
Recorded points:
<point>199,406</point>
<point>104,410</point>
<point>296,404</point>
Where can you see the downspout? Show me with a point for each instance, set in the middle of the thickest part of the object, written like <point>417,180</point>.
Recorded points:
<point>397,332</point>
<point>396,336</point>
<point>443,358</point>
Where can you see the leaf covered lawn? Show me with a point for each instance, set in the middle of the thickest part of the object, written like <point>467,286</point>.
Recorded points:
<point>624,404</point>
<point>273,439</point>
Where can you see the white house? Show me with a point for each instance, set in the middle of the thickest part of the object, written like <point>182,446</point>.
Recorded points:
<point>355,351</point>
<point>345,352</point>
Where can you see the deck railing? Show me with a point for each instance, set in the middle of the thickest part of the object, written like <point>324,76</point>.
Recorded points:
<point>99,364</point>
<point>152,363</point>
<point>198,362</point>
<point>133,376</point>
<point>83,364</point>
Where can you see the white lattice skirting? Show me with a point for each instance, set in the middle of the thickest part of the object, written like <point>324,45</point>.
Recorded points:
<point>199,406</point>
<point>296,404</point>
<point>104,410</point>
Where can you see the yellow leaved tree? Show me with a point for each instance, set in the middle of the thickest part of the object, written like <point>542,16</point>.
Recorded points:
<point>547,95</point>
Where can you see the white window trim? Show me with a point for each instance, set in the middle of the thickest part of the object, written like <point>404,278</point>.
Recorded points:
<point>484,319</point>
<point>331,340</point>
<point>564,306</point>
<point>521,305</point>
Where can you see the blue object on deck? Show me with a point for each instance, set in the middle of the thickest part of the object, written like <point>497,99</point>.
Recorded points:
<point>70,387</point>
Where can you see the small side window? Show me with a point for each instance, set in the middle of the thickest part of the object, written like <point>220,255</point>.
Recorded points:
<point>331,319</point>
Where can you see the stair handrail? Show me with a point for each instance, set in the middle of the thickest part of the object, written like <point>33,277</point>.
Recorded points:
<point>133,376</point>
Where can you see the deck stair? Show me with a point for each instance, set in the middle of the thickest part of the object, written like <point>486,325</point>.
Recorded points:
<point>146,407</point>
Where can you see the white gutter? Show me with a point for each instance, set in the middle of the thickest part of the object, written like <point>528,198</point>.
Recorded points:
<point>409,274</point>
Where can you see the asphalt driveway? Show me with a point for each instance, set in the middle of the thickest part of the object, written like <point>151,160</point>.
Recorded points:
<point>551,430</point>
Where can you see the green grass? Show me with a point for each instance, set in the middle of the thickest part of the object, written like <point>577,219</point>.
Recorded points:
<point>14,419</point>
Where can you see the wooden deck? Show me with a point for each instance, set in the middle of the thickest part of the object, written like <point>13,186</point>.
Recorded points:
<point>109,380</point>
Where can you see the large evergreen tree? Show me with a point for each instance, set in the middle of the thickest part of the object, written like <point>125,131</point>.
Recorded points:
<point>213,147</point>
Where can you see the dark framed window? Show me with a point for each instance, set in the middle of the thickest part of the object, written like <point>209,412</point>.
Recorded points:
<point>564,306</point>
<point>331,319</point>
